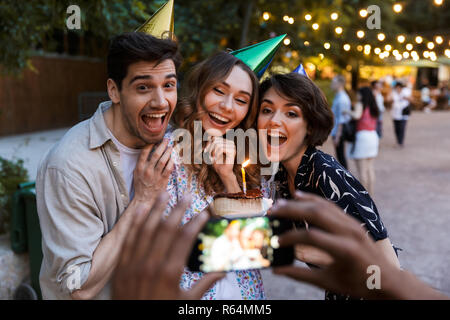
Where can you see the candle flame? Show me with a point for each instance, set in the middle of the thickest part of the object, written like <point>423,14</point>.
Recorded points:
<point>245,163</point>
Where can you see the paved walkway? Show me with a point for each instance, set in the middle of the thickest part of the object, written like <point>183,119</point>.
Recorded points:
<point>412,194</point>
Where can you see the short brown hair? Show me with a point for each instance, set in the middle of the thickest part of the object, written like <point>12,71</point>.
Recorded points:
<point>131,47</point>
<point>312,101</point>
<point>190,108</point>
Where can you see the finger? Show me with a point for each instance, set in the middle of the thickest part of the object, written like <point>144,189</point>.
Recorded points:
<point>316,211</point>
<point>312,276</point>
<point>203,285</point>
<point>332,245</point>
<point>158,153</point>
<point>162,162</point>
<point>188,234</point>
<point>142,160</point>
<point>167,232</point>
<point>151,225</point>
<point>168,169</point>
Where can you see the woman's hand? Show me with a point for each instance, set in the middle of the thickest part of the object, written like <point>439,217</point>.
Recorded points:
<point>223,153</point>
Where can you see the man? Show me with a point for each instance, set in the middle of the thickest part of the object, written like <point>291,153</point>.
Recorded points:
<point>143,273</point>
<point>101,175</point>
<point>341,109</point>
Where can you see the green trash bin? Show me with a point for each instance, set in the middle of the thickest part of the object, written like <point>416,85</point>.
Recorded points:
<point>26,232</point>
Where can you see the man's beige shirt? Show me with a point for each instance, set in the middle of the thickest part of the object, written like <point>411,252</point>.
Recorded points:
<point>81,194</point>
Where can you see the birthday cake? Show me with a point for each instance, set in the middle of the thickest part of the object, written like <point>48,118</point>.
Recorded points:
<point>241,204</point>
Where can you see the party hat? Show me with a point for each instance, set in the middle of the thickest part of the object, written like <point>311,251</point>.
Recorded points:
<point>259,56</point>
<point>300,70</point>
<point>160,22</point>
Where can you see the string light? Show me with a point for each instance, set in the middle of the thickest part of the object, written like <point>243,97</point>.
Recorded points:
<point>397,8</point>
<point>438,2</point>
<point>347,47</point>
<point>401,38</point>
<point>406,54</point>
<point>363,13</point>
<point>386,53</point>
<point>286,18</point>
<point>433,56</point>
<point>439,40</point>
<point>291,20</point>
<point>359,48</point>
<point>326,45</point>
<point>315,26</point>
<point>306,43</point>
<point>409,47</point>
<point>360,34</point>
<point>367,49</point>
<point>381,36</point>
<point>338,30</point>
<point>388,47</point>
<point>430,45</point>
<point>308,17</point>
<point>419,39</point>
<point>395,52</point>
<point>266,16</point>
<point>287,41</point>
<point>426,54</point>
<point>398,57</point>
<point>377,50</point>
<point>447,53</point>
<point>321,56</point>
<point>334,16</point>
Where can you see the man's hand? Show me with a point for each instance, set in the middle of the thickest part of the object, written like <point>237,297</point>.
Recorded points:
<point>342,238</point>
<point>151,174</point>
<point>154,255</point>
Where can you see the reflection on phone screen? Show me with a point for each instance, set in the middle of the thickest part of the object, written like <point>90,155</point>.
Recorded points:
<point>238,244</point>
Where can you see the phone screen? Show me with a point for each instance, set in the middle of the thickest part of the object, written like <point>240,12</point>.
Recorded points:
<point>240,244</point>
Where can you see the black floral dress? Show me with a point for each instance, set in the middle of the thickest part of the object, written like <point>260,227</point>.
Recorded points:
<point>321,174</point>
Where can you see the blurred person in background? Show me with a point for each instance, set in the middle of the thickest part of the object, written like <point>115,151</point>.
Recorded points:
<point>400,101</point>
<point>341,107</point>
<point>365,148</point>
<point>377,87</point>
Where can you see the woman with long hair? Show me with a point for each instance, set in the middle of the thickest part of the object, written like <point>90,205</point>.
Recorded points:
<point>365,148</point>
<point>220,94</point>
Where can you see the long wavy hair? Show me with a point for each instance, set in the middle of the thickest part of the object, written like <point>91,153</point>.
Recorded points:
<point>368,101</point>
<point>202,78</point>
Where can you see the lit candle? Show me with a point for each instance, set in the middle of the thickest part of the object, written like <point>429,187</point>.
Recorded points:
<point>244,184</point>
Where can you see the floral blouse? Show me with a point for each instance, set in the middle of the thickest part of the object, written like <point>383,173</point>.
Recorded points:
<point>321,174</point>
<point>250,282</point>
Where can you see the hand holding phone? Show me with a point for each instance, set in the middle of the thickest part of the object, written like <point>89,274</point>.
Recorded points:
<point>240,244</point>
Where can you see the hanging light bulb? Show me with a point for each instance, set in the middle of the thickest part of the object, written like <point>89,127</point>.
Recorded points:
<point>419,39</point>
<point>347,47</point>
<point>338,30</point>
<point>381,36</point>
<point>308,17</point>
<point>439,40</point>
<point>388,47</point>
<point>315,26</point>
<point>287,41</point>
<point>438,2</point>
<point>430,45</point>
<point>266,16</point>
<point>409,47</point>
<point>401,38</point>
<point>334,16</point>
<point>326,45</point>
<point>397,8</point>
<point>377,50</point>
<point>363,13</point>
<point>360,34</point>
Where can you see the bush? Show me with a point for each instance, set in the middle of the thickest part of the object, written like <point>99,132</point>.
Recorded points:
<point>12,173</point>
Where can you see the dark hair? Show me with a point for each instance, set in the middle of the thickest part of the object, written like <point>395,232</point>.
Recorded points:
<point>368,101</point>
<point>128,48</point>
<point>374,83</point>
<point>202,78</point>
<point>312,101</point>
<point>398,84</point>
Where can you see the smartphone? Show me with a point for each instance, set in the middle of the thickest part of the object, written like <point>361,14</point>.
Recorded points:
<point>227,244</point>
